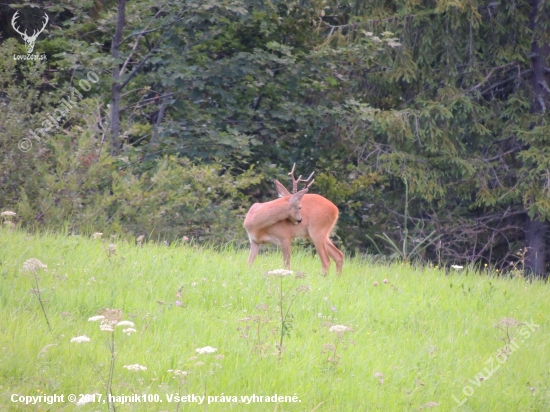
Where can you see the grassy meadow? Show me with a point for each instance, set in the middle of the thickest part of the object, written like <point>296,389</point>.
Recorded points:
<point>417,342</point>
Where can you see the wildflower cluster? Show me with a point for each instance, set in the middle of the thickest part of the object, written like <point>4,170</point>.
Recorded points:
<point>135,367</point>
<point>206,350</point>
<point>8,215</point>
<point>32,265</point>
<point>80,339</point>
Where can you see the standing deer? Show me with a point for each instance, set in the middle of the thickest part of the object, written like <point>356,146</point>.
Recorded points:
<point>293,215</point>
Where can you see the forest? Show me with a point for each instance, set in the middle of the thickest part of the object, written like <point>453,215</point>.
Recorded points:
<point>425,121</point>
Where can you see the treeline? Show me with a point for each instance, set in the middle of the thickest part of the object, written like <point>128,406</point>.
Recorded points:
<point>426,122</point>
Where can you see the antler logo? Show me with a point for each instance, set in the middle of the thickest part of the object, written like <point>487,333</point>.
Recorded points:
<point>29,40</point>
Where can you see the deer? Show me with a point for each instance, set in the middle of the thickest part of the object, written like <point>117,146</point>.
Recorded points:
<point>29,40</point>
<point>293,215</point>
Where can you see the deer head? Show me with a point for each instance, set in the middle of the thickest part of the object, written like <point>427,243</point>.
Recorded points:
<point>29,40</point>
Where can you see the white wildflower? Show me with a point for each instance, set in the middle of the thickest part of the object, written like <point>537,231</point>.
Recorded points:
<point>136,367</point>
<point>96,318</point>
<point>8,213</point>
<point>280,273</point>
<point>107,326</point>
<point>125,323</point>
<point>205,350</point>
<point>32,265</point>
<point>457,267</point>
<point>178,372</point>
<point>97,235</point>
<point>80,339</point>
<point>339,329</point>
<point>129,331</point>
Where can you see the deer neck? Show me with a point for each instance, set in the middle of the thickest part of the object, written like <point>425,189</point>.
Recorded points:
<point>273,212</point>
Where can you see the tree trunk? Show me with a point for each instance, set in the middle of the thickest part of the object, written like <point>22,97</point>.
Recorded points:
<point>535,258</point>
<point>116,96</point>
<point>535,230</point>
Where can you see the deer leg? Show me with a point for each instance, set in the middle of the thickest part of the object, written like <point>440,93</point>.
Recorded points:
<point>285,248</point>
<point>321,247</point>
<point>336,255</point>
<point>254,248</point>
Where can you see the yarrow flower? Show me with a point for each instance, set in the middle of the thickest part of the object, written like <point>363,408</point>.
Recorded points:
<point>125,323</point>
<point>457,267</point>
<point>97,235</point>
<point>339,329</point>
<point>106,327</point>
<point>279,273</point>
<point>136,367</point>
<point>112,317</point>
<point>8,213</point>
<point>96,318</point>
<point>205,350</point>
<point>129,331</point>
<point>32,265</point>
<point>178,372</point>
<point>80,339</point>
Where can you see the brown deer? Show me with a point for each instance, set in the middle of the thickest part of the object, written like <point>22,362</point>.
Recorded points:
<point>293,215</point>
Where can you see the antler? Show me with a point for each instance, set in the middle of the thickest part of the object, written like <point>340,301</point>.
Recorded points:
<point>35,33</point>
<point>44,26</point>
<point>296,181</point>
<point>13,24</point>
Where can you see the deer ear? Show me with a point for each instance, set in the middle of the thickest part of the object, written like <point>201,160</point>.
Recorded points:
<point>297,197</point>
<point>281,190</point>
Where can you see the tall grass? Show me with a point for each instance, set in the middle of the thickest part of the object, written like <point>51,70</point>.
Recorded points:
<point>417,342</point>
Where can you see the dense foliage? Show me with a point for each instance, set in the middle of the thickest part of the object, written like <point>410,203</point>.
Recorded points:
<point>426,121</point>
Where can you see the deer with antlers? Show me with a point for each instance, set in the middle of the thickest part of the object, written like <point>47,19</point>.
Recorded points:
<point>29,40</point>
<point>293,215</point>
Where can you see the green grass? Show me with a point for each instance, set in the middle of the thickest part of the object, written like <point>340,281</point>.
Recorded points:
<point>426,332</point>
